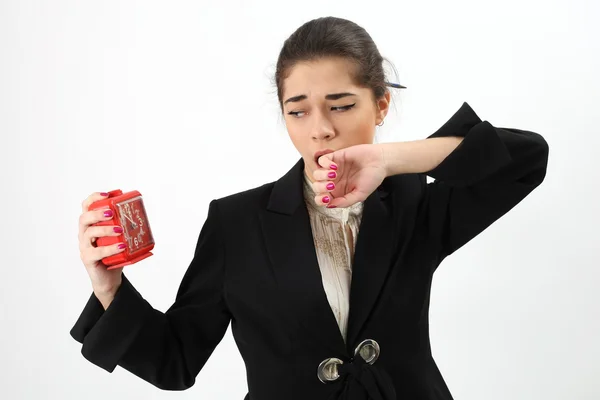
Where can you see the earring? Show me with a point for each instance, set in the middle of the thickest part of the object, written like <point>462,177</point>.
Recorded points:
<point>381,124</point>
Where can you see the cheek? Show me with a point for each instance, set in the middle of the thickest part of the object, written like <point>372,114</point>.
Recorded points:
<point>363,130</point>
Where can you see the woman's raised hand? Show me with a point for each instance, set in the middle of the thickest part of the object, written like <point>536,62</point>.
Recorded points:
<point>104,281</point>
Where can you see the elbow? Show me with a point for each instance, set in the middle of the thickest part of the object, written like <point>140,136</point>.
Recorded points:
<point>174,388</point>
<point>542,152</point>
<point>538,160</point>
<point>173,381</point>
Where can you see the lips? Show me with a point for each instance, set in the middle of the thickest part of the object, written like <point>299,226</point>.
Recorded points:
<point>321,153</point>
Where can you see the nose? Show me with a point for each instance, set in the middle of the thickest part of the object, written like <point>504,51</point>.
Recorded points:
<point>322,129</point>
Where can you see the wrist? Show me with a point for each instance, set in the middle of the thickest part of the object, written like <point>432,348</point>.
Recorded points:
<point>417,156</point>
<point>106,291</point>
<point>105,299</point>
<point>394,158</point>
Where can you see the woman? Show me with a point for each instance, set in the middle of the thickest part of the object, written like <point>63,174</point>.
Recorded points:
<point>319,310</point>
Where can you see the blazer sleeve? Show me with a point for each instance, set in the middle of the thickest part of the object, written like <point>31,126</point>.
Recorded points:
<point>167,349</point>
<point>490,172</point>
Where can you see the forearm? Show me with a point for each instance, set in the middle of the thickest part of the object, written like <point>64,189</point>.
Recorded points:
<point>418,156</point>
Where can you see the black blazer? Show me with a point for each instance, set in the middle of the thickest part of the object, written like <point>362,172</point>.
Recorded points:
<point>255,266</point>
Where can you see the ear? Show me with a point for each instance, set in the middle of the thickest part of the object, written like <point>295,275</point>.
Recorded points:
<point>383,106</point>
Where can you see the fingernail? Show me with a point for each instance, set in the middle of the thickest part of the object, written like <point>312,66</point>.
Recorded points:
<point>122,246</point>
<point>333,166</point>
<point>108,213</point>
<point>332,174</point>
<point>330,206</point>
<point>330,186</point>
<point>326,199</point>
<point>118,229</point>
<point>104,194</point>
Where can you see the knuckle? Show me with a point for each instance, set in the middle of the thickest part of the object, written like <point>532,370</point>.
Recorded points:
<point>98,253</point>
<point>87,218</point>
<point>106,251</point>
<point>86,203</point>
<point>82,224</point>
<point>89,200</point>
<point>88,232</point>
<point>97,231</point>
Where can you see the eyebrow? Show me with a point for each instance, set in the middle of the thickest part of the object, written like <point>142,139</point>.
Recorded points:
<point>333,96</point>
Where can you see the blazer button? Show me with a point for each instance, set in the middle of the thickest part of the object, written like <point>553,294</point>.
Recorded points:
<point>369,350</point>
<point>327,370</point>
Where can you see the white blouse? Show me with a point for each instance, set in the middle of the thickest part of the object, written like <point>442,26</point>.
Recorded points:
<point>334,234</point>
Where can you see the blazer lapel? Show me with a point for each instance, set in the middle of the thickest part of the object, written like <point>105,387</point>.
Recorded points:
<point>375,245</point>
<point>290,246</point>
<point>289,241</point>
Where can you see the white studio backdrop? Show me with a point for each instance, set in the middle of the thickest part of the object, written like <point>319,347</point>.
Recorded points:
<point>176,100</point>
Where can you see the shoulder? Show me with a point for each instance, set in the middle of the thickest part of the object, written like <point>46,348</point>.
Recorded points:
<point>246,201</point>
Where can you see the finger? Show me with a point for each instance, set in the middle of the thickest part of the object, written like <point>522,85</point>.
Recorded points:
<point>326,161</point>
<point>324,175</point>
<point>323,199</point>
<point>323,186</point>
<point>94,254</point>
<point>91,217</point>
<point>346,200</point>
<point>94,232</point>
<point>92,198</point>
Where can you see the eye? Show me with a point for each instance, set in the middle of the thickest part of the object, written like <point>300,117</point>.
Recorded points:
<point>335,108</point>
<point>295,113</point>
<point>343,108</point>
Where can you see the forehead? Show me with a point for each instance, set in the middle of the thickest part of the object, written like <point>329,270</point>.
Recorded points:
<point>320,77</point>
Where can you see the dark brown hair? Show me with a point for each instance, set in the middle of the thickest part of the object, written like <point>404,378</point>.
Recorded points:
<point>333,37</point>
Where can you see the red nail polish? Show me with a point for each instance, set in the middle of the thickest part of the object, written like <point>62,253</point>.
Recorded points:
<point>118,229</point>
<point>326,199</point>
<point>332,166</point>
<point>330,186</point>
<point>332,174</point>
<point>108,213</point>
<point>104,194</point>
<point>122,246</point>
<point>331,206</point>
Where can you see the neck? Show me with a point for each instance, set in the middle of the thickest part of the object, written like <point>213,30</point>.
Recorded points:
<point>308,174</point>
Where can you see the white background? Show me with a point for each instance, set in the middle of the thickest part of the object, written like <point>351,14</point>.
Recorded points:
<point>176,99</point>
